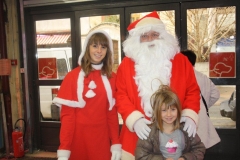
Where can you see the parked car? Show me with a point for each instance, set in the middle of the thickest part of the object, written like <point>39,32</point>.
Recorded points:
<point>228,107</point>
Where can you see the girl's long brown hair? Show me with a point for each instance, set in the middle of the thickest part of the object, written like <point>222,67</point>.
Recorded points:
<point>98,38</point>
<point>164,95</point>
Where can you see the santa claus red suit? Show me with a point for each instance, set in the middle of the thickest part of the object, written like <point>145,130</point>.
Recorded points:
<point>146,66</point>
<point>89,120</point>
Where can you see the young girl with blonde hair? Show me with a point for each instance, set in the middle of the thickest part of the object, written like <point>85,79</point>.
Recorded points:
<point>167,140</point>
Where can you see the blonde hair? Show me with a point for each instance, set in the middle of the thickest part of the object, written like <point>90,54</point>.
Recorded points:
<point>164,95</point>
<point>98,38</point>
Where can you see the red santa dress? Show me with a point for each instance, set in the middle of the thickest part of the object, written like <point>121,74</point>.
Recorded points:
<point>87,131</point>
<point>128,102</point>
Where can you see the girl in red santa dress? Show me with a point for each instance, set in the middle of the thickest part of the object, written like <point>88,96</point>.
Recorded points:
<point>89,120</point>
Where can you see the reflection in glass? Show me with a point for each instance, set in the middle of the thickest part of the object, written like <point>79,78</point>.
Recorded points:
<point>223,112</point>
<point>108,23</point>
<point>53,38</point>
<point>211,35</point>
<point>48,110</point>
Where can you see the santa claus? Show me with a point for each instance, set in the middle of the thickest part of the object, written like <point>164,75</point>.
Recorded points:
<point>151,60</point>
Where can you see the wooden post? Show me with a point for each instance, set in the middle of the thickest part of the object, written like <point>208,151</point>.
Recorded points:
<point>5,78</point>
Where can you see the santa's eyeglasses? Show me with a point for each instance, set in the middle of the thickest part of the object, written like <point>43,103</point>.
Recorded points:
<point>149,36</point>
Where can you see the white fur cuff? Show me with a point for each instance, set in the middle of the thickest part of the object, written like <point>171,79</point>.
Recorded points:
<point>116,147</point>
<point>190,113</point>
<point>132,118</point>
<point>63,153</point>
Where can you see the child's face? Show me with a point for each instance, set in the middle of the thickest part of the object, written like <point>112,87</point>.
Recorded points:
<point>169,114</point>
<point>97,53</point>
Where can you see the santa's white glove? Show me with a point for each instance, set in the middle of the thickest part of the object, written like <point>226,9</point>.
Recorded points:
<point>63,154</point>
<point>189,126</point>
<point>141,128</point>
<point>116,150</point>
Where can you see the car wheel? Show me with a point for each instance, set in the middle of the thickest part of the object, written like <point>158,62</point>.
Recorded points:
<point>233,117</point>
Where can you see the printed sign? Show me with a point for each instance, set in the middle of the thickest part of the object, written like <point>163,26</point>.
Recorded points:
<point>222,64</point>
<point>47,68</point>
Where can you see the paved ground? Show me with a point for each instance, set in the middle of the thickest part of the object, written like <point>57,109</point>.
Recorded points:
<point>214,111</point>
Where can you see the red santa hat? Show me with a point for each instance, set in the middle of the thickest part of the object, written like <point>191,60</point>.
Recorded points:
<point>148,20</point>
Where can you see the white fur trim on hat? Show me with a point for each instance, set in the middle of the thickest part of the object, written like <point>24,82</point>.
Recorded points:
<point>148,21</point>
<point>87,39</point>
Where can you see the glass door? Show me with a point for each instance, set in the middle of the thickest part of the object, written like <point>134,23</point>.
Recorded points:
<point>53,54</point>
<point>210,30</point>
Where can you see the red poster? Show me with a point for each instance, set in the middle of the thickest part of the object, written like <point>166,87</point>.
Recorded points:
<point>222,64</point>
<point>47,68</point>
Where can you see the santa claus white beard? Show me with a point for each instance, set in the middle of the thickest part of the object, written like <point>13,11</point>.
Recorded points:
<point>153,68</point>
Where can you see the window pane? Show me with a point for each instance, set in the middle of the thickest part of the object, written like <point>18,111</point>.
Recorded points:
<point>48,110</point>
<point>108,23</point>
<point>223,112</point>
<point>211,35</point>
<point>54,50</point>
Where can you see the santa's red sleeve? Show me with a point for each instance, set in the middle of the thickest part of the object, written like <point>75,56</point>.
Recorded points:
<point>183,81</point>
<point>127,99</point>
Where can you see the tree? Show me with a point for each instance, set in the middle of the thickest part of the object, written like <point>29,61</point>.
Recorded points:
<point>206,27</point>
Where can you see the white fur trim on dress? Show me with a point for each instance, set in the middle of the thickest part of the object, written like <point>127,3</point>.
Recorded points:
<point>59,102</point>
<point>63,153</point>
<point>92,85</point>
<point>132,118</point>
<point>80,87</point>
<point>108,88</point>
<point>190,113</point>
<point>90,93</point>
<point>116,147</point>
<point>87,39</point>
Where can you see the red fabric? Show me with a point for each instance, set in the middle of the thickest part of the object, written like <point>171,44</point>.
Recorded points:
<point>183,82</point>
<point>90,131</point>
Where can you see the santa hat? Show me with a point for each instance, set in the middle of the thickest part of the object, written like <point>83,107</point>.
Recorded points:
<point>87,39</point>
<point>149,22</point>
<point>149,19</point>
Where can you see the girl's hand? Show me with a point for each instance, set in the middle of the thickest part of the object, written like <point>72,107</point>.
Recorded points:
<point>181,158</point>
<point>169,159</point>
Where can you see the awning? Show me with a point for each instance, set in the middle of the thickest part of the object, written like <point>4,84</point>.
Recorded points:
<point>46,39</point>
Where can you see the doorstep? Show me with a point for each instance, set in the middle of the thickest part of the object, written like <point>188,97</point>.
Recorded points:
<point>36,155</point>
<point>40,153</point>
